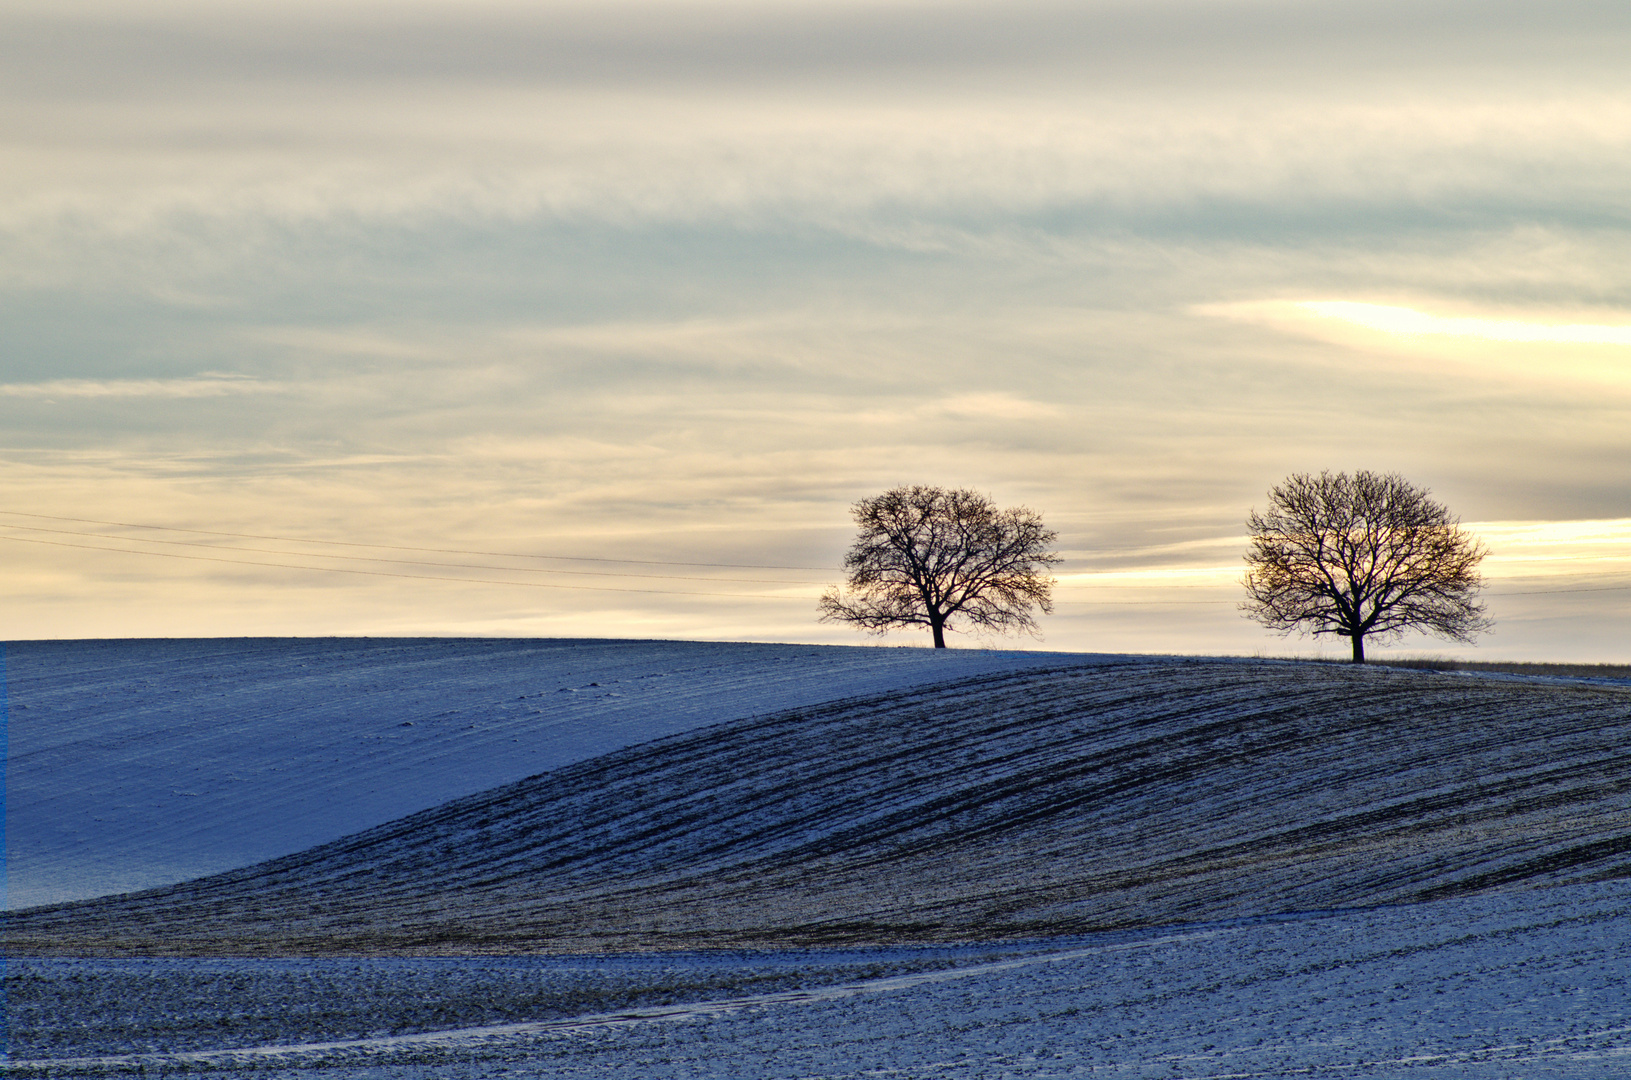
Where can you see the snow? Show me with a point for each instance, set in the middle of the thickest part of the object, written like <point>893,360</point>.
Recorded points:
<point>144,762</point>
<point>1531,983</point>
<point>1133,792</point>
<point>1051,790</point>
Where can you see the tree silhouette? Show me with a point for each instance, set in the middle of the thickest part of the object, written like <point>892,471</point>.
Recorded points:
<point>1361,556</point>
<point>927,556</point>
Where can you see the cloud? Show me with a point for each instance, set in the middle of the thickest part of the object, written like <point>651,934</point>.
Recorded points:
<point>995,406</point>
<point>1403,320</point>
<point>1520,348</point>
<point>202,386</point>
<point>685,279</point>
<point>167,117</point>
<point>1576,551</point>
<point>668,42</point>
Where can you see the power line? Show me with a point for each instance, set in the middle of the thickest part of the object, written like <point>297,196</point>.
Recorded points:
<point>398,562</point>
<point>559,558</point>
<point>1138,603</point>
<point>1512,592</point>
<point>1552,592</point>
<point>643,592</point>
<point>405,547</point>
<point>564,558</point>
<point>1166,603</point>
<point>390,574</point>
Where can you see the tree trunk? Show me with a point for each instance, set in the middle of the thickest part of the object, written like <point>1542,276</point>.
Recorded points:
<point>939,634</point>
<point>1359,648</point>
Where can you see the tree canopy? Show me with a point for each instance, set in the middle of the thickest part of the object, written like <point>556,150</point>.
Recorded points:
<point>1367,555</point>
<point>928,556</point>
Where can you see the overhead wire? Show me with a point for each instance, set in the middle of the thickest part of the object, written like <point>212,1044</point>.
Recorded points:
<point>405,547</point>
<point>399,562</point>
<point>391,574</point>
<point>530,570</point>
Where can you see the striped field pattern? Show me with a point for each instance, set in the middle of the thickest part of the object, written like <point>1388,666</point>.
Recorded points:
<point>1062,800</point>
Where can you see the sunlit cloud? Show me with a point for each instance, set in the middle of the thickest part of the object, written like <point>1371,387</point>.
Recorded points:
<point>1531,350</point>
<point>1402,320</point>
<point>1576,550</point>
<point>1565,552</point>
<point>1407,322</point>
<point>1156,577</point>
<point>997,406</point>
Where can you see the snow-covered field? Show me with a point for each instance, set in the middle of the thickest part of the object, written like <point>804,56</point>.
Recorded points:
<point>138,763</point>
<point>1036,864</point>
<point>1047,801</point>
<point>1529,983</point>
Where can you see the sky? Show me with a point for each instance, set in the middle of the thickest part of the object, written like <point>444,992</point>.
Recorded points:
<point>595,319</point>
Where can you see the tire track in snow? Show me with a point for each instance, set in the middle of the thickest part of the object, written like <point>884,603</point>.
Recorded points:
<point>1197,976</point>
<point>463,1038</point>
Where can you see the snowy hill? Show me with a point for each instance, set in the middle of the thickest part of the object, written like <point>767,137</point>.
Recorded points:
<point>140,763</point>
<point>1062,799</point>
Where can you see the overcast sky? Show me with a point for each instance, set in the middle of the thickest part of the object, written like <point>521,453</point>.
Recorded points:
<point>679,282</point>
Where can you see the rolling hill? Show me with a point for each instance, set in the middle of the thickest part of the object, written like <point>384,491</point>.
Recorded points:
<point>1061,799</point>
<point>138,763</point>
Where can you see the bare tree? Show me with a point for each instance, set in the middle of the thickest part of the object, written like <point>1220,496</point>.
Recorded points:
<point>926,556</point>
<point>1361,556</point>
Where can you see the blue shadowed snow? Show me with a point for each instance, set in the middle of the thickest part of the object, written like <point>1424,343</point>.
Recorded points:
<point>1531,983</point>
<point>145,762</point>
<point>5,774</point>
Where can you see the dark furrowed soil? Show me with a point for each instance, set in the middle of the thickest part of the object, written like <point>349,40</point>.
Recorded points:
<point>1034,804</point>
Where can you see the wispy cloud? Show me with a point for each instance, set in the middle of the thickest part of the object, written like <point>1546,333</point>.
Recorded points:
<point>1549,353</point>
<point>1578,551</point>
<point>996,406</point>
<point>202,386</point>
<point>1402,320</point>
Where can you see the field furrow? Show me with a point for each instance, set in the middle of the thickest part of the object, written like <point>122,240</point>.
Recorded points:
<point>1065,799</point>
